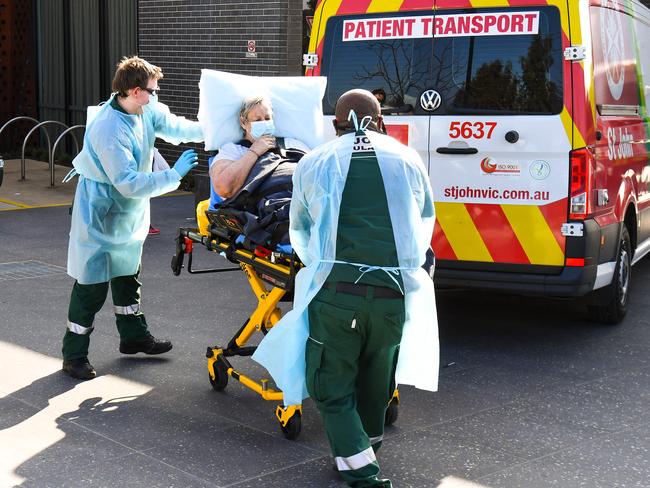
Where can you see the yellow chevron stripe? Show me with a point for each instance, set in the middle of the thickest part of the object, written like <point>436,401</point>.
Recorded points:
<point>325,10</point>
<point>534,234</point>
<point>461,232</point>
<point>572,132</point>
<point>384,5</point>
<point>489,3</point>
<point>567,122</point>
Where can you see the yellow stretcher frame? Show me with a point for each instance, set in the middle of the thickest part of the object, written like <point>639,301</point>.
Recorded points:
<point>277,270</point>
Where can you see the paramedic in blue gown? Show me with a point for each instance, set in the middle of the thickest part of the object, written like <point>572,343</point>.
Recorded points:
<point>233,164</point>
<point>110,215</point>
<point>361,221</point>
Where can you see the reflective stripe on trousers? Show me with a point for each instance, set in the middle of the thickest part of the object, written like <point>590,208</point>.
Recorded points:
<point>127,310</point>
<point>357,461</point>
<point>375,440</point>
<point>79,329</point>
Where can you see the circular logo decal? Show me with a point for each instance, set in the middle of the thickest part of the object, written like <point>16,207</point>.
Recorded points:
<point>611,32</point>
<point>430,100</point>
<point>540,169</point>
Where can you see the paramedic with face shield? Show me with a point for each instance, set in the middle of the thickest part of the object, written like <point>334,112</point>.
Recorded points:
<point>364,316</point>
<point>110,215</point>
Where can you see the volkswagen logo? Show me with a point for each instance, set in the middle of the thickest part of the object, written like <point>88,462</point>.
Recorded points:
<point>430,100</point>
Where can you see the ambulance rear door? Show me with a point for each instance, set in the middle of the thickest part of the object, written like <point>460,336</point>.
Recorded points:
<point>499,149</point>
<point>375,51</point>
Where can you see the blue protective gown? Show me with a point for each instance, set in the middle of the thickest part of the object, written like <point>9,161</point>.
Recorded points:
<point>318,186</point>
<point>110,216</point>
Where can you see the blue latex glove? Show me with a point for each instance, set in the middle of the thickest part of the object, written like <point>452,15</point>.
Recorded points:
<point>186,162</point>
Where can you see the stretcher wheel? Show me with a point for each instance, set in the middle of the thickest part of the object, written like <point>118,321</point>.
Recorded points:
<point>391,412</point>
<point>220,380</point>
<point>292,429</point>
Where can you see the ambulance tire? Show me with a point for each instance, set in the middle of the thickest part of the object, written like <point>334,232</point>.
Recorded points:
<point>613,311</point>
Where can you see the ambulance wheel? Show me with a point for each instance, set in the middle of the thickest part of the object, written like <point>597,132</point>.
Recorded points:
<point>291,431</point>
<point>220,380</point>
<point>618,292</point>
<point>391,412</point>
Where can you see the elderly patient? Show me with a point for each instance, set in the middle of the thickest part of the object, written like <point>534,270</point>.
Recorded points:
<point>254,174</point>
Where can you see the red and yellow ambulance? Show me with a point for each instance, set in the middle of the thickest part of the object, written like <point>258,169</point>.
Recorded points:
<point>531,116</point>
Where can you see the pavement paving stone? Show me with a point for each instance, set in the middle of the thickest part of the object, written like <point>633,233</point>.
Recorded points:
<point>313,473</point>
<point>78,446</point>
<point>613,403</point>
<point>519,432</point>
<point>143,423</point>
<point>616,461</point>
<point>136,470</point>
<point>422,458</point>
<point>231,455</point>
<point>13,411</point>
<point>420,408</point>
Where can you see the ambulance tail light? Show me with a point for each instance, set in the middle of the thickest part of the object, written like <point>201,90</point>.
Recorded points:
<point>581,184</point>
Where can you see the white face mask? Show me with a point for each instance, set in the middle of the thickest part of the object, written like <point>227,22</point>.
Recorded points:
<point>261,128</point>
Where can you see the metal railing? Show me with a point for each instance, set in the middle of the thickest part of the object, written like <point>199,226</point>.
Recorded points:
<point>50,159</point>
<point>56,143</point>
<point>51,149</point>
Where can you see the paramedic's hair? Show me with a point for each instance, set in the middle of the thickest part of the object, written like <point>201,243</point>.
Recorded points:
<point>134,72</point>
<point>250,103</point>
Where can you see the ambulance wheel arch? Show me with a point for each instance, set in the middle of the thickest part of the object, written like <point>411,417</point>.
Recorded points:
<point>625,208</point>
<point>610,304</point>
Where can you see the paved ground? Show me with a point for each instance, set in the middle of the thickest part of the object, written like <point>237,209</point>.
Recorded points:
<point>35,189</point>
<point>531,395</point>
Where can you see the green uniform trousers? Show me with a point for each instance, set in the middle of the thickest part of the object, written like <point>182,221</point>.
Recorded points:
<point>351,356</point>
<point>87,300</point>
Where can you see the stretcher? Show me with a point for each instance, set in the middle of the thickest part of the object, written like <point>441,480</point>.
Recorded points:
<point>271,275</point>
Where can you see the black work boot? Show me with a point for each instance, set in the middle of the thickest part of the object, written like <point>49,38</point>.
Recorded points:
<point>79,368</point>
<point>149,345</point>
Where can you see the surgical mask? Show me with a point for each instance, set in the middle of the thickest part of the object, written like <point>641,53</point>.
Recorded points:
<point>261,128</point>
<point>153,99</point>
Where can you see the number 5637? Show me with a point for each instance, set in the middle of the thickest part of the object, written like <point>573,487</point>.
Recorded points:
<point>471,130</point>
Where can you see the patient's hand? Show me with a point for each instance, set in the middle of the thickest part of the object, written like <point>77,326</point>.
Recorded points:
<point>263,144</point>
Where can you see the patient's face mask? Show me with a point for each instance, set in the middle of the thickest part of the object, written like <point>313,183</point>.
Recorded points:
<point>261,128</point>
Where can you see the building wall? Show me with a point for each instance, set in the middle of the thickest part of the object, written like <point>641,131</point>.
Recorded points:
<point>17,69</point>
<point>184,36</point>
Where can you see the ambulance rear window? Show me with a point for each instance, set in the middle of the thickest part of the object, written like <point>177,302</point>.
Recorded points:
<point>480,61</point>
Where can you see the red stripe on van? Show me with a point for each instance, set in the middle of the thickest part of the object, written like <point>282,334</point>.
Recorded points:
<point>555,215</point>
<point>582,115</point>
<point>417,5</point>
<point>441,247</point>
<point>353,7</point>
<point>566,87</point>
<point>497,234</point>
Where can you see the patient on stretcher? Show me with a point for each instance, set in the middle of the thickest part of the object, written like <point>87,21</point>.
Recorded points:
<point>251,179</point>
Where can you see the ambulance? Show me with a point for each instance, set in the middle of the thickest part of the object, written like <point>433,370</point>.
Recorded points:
<point>531,118</point>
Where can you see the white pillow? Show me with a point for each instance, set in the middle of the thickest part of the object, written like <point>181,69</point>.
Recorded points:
<point>296,100</point>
